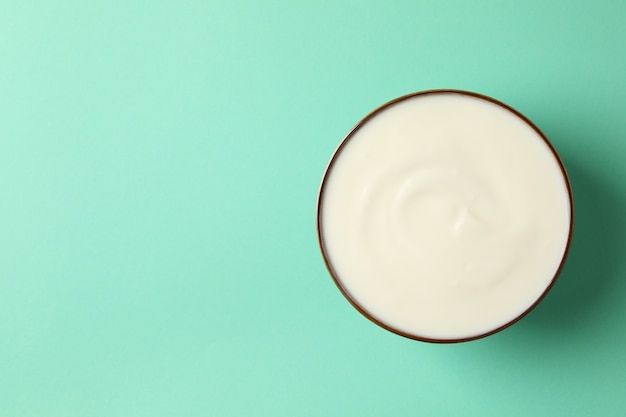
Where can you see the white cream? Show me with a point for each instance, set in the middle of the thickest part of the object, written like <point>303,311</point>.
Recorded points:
<point>445,216</point>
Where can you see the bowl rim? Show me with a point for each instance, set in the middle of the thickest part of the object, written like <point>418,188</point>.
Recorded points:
<point>320,199</point>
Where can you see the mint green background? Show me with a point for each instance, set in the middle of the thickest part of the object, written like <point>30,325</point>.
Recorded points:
<point>159,165</point>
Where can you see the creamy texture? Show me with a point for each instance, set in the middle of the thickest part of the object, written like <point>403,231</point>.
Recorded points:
<point>445,216</point>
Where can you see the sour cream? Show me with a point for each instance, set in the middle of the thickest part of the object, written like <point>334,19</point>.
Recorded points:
<point>444,216</point>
